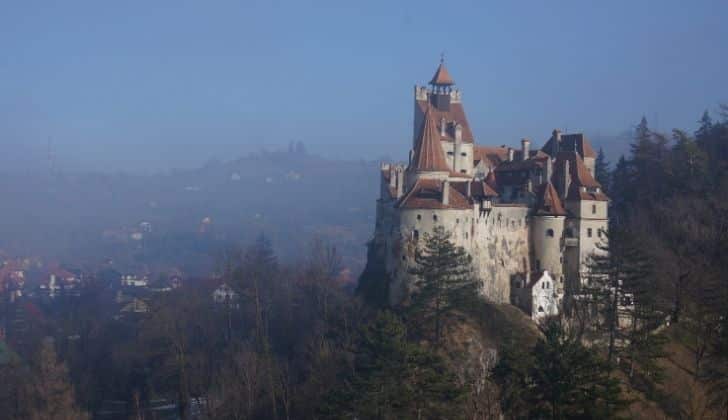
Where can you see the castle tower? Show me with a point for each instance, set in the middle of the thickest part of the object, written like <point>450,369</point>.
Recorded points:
<point>547,231</point>
<point>586,204</point>
<point>452,125</point>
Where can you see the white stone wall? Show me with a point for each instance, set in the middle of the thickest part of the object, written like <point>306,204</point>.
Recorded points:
<point>547,251</point>
<point>500,249</point>
<point>461,159</point>
<point>546,299</point>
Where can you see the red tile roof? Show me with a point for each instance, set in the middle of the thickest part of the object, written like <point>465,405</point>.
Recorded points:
<point>548,202</point>
<point>493,156</point>
<point>580,177</point>
<point>571,142</point>
<point>454,115</point>
<point>442,76</point>
<point>428,155</point>
<point>427,194</point>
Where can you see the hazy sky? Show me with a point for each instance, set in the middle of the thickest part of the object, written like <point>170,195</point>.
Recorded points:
<point>155,84</point>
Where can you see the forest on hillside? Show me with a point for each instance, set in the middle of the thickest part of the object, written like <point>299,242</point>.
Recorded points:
<point>293,344</point>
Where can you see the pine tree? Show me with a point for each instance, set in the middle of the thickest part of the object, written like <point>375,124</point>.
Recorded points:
<point>621,188</point>
<point>601,170</point>
<point>444,279</point>
<point>395,379</point>
<point>563,379</point>
<point>622,288</point>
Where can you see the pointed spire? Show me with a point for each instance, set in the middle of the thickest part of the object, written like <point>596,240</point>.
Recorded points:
<point>442,77</point>
<point>428,154</point>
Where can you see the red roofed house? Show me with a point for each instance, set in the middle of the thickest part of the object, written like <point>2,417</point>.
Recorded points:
<point>516,211</point>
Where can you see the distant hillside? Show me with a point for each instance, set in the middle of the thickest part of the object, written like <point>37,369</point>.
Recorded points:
<point>289,196</point>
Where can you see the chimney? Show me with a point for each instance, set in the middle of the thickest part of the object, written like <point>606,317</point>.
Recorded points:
<point>549,169</point>
<point>456,147</point>
<point>446,192</point>
<point>443,127</point>
<point>510,154</point>
<point>468,188</point>
<point>556,136</point>
<point>565,181</point>
<point>526,148</point>
<point>400,182</point>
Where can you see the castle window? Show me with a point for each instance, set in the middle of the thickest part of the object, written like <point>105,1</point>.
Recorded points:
<point>449,153</point>
<point>404,258</point>
<point>550,233</point>
<point>419,217</point>
<point>457,221</point>
<point>589,232</point>
<point>543,285</point>
<point>466,235</point>
<point>463,154</point>
<point>594,209</point>
<point>416,235</point>
<point>434,217</point>
<point>462,171</point>
<point>540,308</point>
<point>599,233</point>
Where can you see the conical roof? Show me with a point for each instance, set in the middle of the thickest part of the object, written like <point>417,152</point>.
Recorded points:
<point>442,77</point>
<point>548,202</point>
<point>428,154</point>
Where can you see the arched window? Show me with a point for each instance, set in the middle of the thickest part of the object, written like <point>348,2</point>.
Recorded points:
<point>419,217</point>
<point>540,308</point>
<point>550,233</point>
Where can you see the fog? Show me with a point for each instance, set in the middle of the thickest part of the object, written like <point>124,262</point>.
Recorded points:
<point>114,115</point>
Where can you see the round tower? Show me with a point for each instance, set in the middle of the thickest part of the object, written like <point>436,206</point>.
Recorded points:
<point>547,232</point>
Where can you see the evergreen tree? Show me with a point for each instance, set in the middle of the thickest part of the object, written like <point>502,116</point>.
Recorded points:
<point>621,188</point>
<point>396,379</point>
<point>688,164</point>
<point>704,129</point>
<point>622,288</point>
<point>601,170</point>
<point>562,380</point>
<point>444,279</point>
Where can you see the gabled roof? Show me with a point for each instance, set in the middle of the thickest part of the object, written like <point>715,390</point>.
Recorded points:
<point>493,156</point>
<point>442,76</point>
<point>580,177</point>
<point>428,155</point>
<point>548,202</point>
<point>481,189</point>
<point>427,194</point>
<point>492,181</point>
<point>454,115</point>
<point>571,142</point>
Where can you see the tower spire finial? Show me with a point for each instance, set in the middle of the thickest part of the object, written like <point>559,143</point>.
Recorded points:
<point>442,57</point>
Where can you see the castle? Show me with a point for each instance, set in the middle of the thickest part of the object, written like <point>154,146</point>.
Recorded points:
<point>529,218</point>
